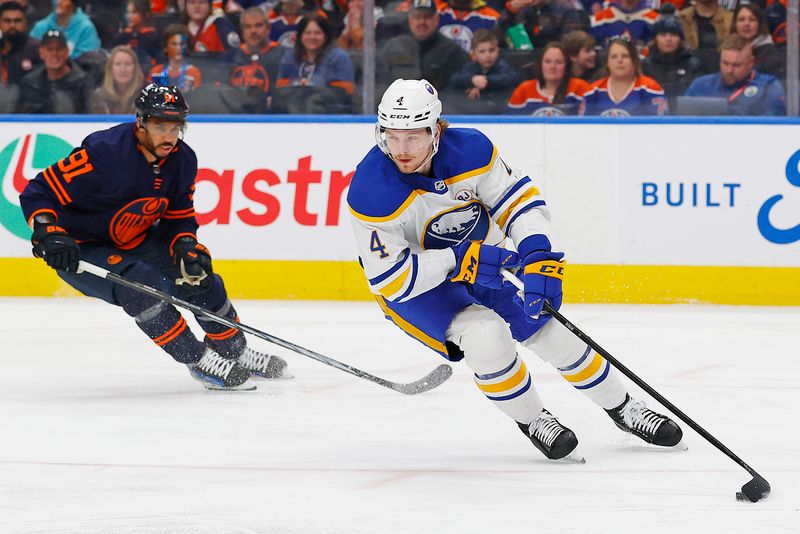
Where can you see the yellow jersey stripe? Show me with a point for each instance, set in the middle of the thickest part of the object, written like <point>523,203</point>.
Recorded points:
<point>588,371</point>
<point>532,192</point>
<point>406,203</point>
<point>394,286</point>
<point>474,172</point>
<point>410,329</point>
<point>508,384</point>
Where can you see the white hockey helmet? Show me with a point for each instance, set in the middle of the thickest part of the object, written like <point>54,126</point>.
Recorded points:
<point>408,105</point>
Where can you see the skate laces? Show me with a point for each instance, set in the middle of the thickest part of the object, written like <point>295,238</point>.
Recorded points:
<point>254,360</point>
<point>214,364</point>
<point>545,428</point>
<point>636,415</point>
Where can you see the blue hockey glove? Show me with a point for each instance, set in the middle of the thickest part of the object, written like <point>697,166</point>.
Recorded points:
<point>55,246</point>
<point>193,260</point>
<point>542,275</point>
<point>481,264</point>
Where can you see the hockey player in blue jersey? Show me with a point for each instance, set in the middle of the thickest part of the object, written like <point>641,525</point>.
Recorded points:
<point>432,210</point>
<point>123,201</point>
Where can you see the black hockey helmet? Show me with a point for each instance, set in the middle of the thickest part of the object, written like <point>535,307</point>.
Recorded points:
<point>161,102</point>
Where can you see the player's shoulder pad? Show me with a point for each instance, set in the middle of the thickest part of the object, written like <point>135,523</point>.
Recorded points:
<point>377,193</point>
<point>104,146</point>
<point>463,153</point>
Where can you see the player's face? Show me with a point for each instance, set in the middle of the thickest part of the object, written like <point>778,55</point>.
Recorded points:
<point>553,65</point>
<point>255,30</point>
<point>486,54</point>
<point>54,56</point>
<point>122,68</point>
<point>746,24</point>
<point>313,38</point>
<point>12,22</point>
<point>423,23</point>
<point>198,10</point>
<point>159,137</point>
<point>667,43</point>
<point>620,64</point>
<point>735,65</point>
<point>409,148</point>
<point>133,16</point>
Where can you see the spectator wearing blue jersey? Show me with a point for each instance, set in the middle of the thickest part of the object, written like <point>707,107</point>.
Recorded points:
<point>315,76</point>
<point>631,18</point>
<point>68,17</point>
<point>748,91</point>
<point>625,91</point>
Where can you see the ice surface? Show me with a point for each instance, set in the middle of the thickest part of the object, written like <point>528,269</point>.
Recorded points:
<point>101,432</point>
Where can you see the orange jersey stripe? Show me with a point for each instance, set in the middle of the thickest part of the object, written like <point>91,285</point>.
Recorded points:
<point>172,333</point>
<point>227,334</point>
<point>55,185</point>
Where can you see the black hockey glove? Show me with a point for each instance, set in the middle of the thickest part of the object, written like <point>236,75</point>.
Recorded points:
<point>55,246</point>
<point>194,263</point>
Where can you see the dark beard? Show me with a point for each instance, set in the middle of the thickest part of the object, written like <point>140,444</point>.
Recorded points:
<point>16,39</point>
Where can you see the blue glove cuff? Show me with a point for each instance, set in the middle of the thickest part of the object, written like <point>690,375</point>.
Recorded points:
<point>533,243</point>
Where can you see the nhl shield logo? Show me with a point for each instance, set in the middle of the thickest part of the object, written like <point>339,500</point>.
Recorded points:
<point>470,221</point>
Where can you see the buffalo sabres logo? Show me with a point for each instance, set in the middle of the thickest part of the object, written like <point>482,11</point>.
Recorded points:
<point>449,228</point>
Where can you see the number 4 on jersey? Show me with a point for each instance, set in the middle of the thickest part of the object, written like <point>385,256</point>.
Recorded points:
<point>375,244</point>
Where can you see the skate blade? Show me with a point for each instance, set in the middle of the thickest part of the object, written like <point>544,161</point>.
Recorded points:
<point>680,446</point>
<point>247,386</point>
<point>284,376</point>
<point>572,458</point>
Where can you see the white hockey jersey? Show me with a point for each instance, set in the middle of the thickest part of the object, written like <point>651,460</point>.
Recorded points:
<point>405,224</point>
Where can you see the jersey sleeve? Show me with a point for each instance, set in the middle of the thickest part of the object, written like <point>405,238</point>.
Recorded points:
<point>514,202</point>
<point>57,186</point>
<point>392,270</point>
<point>179,220</point>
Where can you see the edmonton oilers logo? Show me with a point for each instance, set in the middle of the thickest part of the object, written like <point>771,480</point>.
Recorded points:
<point>469,221</point>
<point>135,218</point>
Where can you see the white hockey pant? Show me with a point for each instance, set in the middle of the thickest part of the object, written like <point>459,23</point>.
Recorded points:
<point>490,351</point>
<point>578,363</point>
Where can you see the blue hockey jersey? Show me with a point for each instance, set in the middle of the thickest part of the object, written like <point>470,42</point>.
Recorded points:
<point>105,191</point>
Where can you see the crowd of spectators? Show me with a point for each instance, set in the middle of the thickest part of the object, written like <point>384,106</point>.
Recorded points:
<point>531,57</point>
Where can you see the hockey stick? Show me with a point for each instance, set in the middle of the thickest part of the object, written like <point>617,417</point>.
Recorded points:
<point>754,491</point>
<point>433,379</point>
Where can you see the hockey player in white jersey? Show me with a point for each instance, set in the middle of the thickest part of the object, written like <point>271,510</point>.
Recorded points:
<point>433,209</point>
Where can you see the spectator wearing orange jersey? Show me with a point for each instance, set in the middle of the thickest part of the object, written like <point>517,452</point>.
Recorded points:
<point>209,31</point>
<point>176,71</point>
<point>554,91</point>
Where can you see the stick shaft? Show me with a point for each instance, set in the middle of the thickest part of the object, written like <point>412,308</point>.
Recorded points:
<point>638,381</point>
<point>171,299</point>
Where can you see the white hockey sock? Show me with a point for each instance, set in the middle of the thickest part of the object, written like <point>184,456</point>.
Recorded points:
<point>511,389</point>
<point>579,364</point>
<point>490,351</point>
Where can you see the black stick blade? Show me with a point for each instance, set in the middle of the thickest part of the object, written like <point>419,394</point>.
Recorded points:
<point>434,379</point>
<point>755,490</point>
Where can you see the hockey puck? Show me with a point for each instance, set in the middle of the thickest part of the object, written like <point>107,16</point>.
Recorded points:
<point>741,497</point>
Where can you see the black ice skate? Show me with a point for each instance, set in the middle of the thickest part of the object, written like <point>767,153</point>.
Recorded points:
<point>634,417</point>
<point>551,437</point>
<point>216,372</point>
<point>263,365</point>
